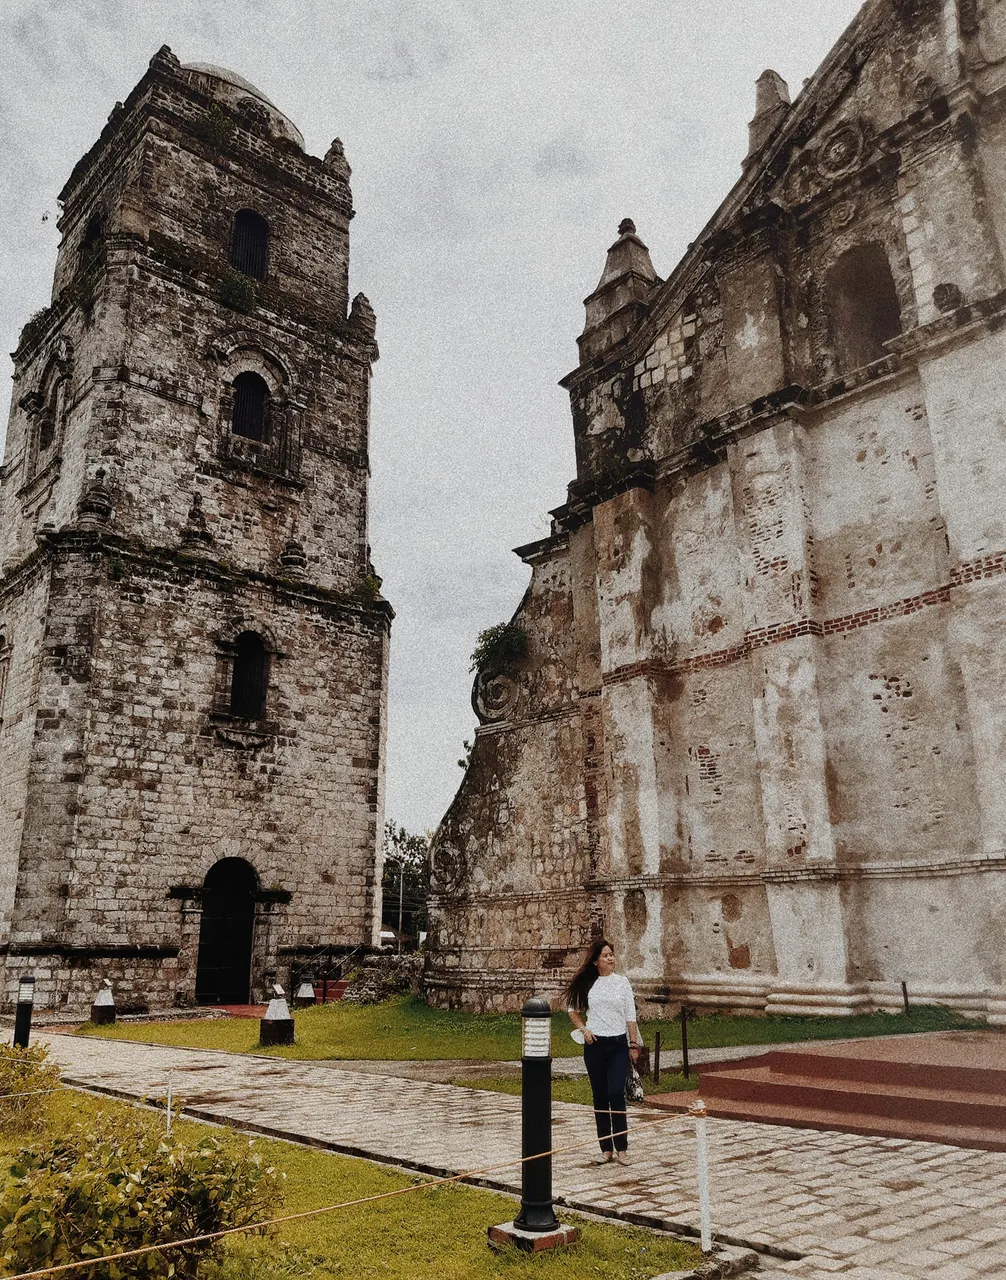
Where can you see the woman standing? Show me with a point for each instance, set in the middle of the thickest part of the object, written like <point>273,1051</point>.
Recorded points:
<point>601,1005</point>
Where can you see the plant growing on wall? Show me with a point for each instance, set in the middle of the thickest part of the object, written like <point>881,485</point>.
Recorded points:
<point>216,126</point>
<point>369,588</point>
<point>499,647</point>
<point>237,291</point>
<point>34,326</point>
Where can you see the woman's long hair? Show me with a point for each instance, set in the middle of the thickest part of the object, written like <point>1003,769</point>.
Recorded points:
<point>585,977</point>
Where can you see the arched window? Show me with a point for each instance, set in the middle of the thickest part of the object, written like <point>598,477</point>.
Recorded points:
<point>94,234</point>
<point>250,678</point>
<point>251,402</point>
<point>864,307</point>
<point>250,243</point>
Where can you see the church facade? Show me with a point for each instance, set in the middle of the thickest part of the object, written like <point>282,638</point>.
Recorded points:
<point>193,644</point>
<point>758,733</point>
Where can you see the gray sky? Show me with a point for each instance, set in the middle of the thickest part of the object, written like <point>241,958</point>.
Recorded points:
<point>494,147</point>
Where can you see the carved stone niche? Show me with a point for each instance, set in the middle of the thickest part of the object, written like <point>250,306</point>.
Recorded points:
<point>448,871</point>
<point>494,697</point>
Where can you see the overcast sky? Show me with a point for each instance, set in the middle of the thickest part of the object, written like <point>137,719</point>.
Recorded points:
<point>495,148</point>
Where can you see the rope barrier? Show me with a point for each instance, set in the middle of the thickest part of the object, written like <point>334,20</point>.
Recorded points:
<point>31,1093</point>
<point>209,1236</point>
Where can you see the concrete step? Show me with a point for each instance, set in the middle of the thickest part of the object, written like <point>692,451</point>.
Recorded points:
<point>336,990</point>
<point>768,1083</point>
<point>867,1067</point>
<point>864,1092</point>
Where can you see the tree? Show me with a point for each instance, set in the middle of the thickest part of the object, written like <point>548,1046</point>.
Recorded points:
<point>406,881</point>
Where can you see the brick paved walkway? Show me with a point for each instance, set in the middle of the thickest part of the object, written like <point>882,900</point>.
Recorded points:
<point>862,1208</point>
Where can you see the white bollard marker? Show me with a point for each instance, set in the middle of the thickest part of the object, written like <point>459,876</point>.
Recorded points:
<point>698,1111</point>
<point>169,1105</point>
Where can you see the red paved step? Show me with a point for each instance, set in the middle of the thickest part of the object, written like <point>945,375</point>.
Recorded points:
<point>949,1087</point>
<point>336,990</point>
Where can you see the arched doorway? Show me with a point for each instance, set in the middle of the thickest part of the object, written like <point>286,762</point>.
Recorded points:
<point>223,972</point>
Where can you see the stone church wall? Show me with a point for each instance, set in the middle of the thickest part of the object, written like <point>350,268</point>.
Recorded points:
<point>787,506</point>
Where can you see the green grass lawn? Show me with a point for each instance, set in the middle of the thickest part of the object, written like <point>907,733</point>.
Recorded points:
<point>441,1231</point>
<point>405,1029</point>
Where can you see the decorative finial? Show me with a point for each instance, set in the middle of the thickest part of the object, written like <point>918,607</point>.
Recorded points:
<point>626,227</point>
<point>335,159</point>
<point>164,58</point>
<point>361,315</point>
<point>95,509</point>
<point>292,558</point>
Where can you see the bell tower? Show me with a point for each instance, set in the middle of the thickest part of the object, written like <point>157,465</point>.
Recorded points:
<point>193,644</point>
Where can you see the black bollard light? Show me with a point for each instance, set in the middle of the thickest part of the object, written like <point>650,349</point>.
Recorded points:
<point>536,1227</point>
<point>22,1014</point>
<point>536,1212</point>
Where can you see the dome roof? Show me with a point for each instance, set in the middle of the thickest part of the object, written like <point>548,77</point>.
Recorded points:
<point>230,88</point>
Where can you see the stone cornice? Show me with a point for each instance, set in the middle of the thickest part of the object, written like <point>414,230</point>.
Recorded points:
<point>73,541</point>
<point>830,873</point>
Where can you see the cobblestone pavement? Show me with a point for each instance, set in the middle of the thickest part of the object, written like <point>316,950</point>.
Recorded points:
<point>862,1208</point>
<point>449,1069</point>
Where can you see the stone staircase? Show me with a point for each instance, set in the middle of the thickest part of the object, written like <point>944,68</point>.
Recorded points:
<point>330,989</point>
<point>950,1087</point>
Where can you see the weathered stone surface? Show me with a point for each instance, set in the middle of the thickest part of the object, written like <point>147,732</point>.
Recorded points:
<point>141,535</point>
<point>758,734</point>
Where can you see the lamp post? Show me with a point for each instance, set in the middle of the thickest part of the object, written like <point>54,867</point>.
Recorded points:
<point>536,1213</point>
<point>536,1227</point>
<point>22,1013</point>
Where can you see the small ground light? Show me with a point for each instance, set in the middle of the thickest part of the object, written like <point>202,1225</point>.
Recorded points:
<point>277,1025</point>
<point>304,995</point>
<point>22,1014</point>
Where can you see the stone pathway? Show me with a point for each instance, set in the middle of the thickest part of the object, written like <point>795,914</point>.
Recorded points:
<point>862,1208</point>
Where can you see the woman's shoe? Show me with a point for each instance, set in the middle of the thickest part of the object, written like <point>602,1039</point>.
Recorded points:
<point>605,1157</point>
<point>622,1157</point>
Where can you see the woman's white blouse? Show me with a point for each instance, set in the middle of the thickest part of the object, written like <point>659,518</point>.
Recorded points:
<point>610,1006</point>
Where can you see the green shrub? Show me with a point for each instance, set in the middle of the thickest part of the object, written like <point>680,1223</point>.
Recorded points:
<point>237,291</point>
<point>499,647</point>
<point>121,1185</point>
<point>24,1075</point>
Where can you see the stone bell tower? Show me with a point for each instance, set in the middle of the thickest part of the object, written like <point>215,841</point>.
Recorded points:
<point>193,644</point>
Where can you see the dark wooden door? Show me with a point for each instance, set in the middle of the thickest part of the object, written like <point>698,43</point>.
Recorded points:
<point>223,973</point>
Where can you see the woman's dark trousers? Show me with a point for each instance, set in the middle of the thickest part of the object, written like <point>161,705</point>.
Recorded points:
<point>607,1062</point>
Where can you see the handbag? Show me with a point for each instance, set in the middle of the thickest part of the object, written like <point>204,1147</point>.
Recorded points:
<point>633,1086</point>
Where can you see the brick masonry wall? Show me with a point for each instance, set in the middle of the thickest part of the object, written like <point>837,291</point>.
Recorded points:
<point>147,536</point>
